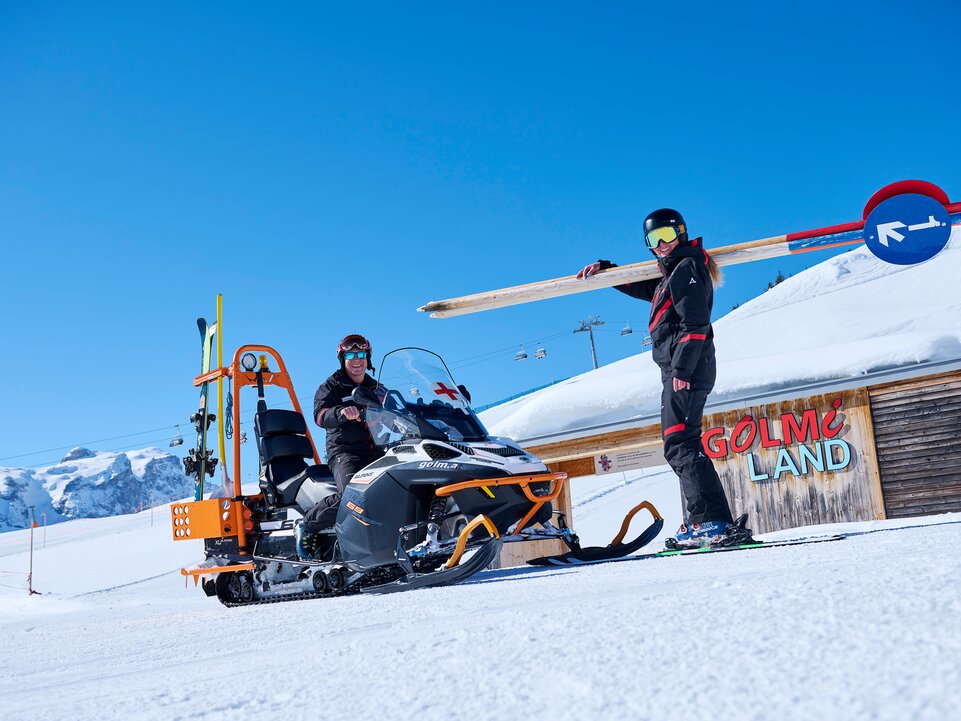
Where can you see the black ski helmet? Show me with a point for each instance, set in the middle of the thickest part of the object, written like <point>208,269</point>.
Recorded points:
<point>663,218</point>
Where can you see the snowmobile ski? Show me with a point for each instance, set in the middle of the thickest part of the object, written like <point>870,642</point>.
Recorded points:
<point>616,550</point>
<point>477,562</point>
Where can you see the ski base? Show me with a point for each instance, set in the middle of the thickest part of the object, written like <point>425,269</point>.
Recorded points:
<point>601,554</point>
<point>615,550</point>
<point>484,556</point>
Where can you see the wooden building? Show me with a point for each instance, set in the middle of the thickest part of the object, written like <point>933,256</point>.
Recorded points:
<point>883,445</point>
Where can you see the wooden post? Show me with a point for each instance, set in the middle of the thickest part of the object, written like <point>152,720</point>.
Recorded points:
<point>33,522</point>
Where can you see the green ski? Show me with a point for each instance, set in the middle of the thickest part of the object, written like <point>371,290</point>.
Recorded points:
<point>747,546</point>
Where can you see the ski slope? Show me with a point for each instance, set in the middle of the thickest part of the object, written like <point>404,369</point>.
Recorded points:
<point>864,628</point>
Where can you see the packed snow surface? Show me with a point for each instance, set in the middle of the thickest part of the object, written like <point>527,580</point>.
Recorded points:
<point>864,628</point>
<point>840,319</point>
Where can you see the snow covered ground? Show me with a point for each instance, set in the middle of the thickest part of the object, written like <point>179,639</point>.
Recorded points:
<point>864,628</point>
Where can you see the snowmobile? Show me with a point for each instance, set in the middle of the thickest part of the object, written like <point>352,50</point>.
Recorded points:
<point>433,510</point>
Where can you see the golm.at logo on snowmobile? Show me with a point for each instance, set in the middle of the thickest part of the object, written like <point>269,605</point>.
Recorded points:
<point>440,465</point>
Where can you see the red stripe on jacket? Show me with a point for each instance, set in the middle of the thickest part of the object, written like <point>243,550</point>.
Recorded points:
<point>693,336</point>
<point>660,313</point>
<point>674,429</point>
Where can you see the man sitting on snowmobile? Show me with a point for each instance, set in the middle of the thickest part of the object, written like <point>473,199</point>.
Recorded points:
<point>349,445</point>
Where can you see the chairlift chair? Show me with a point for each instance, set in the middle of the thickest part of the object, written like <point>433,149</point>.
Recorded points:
<point>521,354</point>
<point>177,440</point>
<point>627,330</point>
<point>540,352</point>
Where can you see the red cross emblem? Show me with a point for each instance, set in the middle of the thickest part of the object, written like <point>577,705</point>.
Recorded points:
<point>442,390</point>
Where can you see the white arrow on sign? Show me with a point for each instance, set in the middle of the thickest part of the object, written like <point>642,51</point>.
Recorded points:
<point>889,230</point>
<point>932,223</point>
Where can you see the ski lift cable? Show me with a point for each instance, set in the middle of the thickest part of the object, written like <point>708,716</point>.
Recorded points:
<point>133,446</point>
<point>499,354</point>
<point>87,443</point>
<point>463,363</point>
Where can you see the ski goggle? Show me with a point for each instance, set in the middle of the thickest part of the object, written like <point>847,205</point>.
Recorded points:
<point>353,342</point>
<point>362,355</point>
<point>664,234</point>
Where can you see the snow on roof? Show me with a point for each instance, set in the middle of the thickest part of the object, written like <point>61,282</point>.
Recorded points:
<point>848,316</point>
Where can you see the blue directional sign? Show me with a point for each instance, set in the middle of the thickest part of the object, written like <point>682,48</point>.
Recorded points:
<point>907,229</point>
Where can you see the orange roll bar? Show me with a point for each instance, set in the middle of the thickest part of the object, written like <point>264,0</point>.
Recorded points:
<point>241,379</point>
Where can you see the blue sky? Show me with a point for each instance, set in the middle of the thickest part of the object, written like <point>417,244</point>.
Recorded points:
<point>330,168</point>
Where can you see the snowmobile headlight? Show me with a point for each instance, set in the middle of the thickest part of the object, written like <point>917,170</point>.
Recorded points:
<point>248,361</point>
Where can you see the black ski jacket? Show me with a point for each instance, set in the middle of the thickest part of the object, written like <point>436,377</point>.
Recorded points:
<point>681,303</point>
<point>343,436</point>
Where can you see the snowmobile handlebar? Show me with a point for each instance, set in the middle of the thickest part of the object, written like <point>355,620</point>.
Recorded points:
<point>365,397</point>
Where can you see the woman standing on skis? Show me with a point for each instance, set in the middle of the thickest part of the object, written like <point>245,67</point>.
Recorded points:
<point>680,326</point>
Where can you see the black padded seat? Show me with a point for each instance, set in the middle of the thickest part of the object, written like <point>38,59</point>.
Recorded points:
<point>286,478</point>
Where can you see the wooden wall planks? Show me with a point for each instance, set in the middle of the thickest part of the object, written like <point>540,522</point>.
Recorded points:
<point>918,434</point>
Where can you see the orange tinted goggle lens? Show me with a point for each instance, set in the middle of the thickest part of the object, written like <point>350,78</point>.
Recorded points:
<point>667,234</point>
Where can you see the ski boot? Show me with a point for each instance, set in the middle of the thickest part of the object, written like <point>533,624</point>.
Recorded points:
<point>716,534</point>
<point>308,543</point>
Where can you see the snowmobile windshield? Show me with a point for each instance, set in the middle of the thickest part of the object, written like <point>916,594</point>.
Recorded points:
<point>422,381</point>
<point>393,424</point>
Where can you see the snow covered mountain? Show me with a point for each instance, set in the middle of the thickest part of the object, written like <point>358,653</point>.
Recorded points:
<point>88,484</point>
<point>847,316</point>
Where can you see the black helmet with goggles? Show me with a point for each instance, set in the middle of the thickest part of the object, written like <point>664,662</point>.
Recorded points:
<point>664,226</point>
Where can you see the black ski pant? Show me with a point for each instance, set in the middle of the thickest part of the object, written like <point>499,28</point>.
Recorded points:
<point>702,495</point>
<point>345,465</point>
